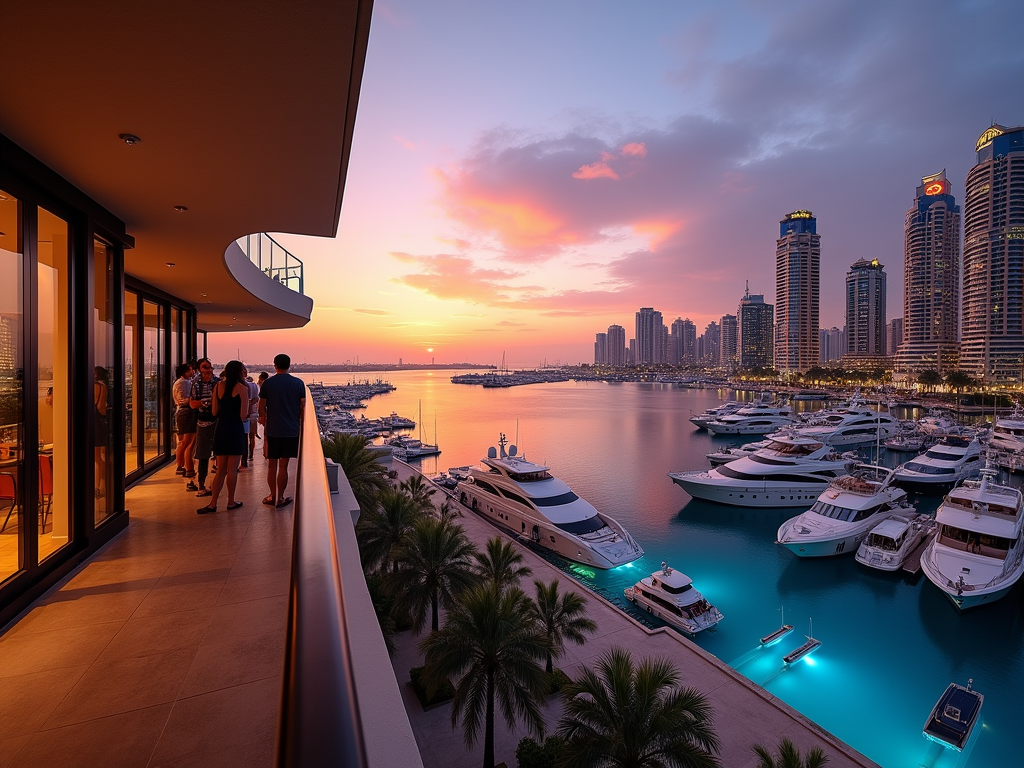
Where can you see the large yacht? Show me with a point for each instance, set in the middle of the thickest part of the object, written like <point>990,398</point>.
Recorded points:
<point>1006,441</point>
<point>756,419</point>
<point>526,499</point>
<point>788,472</point>
<point>701,420</point>
<point>977,555</point>
<point>942,466</point>
<point>844,514</point>
<point>853,424</point>
<point>669,595</point>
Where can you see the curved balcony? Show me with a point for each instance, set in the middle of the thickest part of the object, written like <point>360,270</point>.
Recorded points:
<point>273,276</point>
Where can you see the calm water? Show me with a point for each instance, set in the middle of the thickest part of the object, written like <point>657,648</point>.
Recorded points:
<point>890,646</point>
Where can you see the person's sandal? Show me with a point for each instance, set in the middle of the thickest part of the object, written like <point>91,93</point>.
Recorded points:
<point>234,505</point>
<point>191,487</point>
<point>206,510</point>
<point>204,492</point>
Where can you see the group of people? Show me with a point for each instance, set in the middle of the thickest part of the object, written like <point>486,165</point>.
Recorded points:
<point>219,418</point>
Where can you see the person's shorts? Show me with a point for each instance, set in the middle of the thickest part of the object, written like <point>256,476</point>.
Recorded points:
<point>184,421</point>
<point>282,447</point>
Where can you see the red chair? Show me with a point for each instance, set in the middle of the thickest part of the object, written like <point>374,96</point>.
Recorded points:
<point>45,487</point>
<point>8,495</point>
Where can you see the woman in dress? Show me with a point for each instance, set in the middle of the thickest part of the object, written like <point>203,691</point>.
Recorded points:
<point>230,405</point>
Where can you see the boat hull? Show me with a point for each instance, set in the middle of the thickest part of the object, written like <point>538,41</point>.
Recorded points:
<point>925,487</point>
<point>757,495</point>
<point>845,545</point>
<point>690,628</point>
<point>968,598</point>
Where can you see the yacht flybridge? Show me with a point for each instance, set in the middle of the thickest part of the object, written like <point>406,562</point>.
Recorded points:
<point>788,472</point>
<point>978,554</point>
<point>527,500</point>
<point>942,466</point>
<point>756,419</point>
<point>853,424</point>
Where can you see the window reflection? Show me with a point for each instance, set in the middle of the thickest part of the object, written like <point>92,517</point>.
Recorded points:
<point>103,349</point>
<point>132,405</point>
<point>12,520</point>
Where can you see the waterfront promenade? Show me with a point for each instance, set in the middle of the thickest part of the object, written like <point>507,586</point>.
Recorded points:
<point>745,714</point>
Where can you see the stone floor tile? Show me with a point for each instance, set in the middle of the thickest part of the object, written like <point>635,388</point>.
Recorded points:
<point>26,701</point>
<point>143,635</point>
<point>30,652</point>
<point>247,618</point>
<point>235,661</point>
<point>254,586</point>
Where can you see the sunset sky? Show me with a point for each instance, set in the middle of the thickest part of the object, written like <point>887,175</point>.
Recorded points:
<point>525,174</point>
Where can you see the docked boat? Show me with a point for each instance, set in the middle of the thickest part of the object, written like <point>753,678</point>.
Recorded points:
<point>411,448</point>
<point>1006,441</point>
<point>942,466</point>
<point>844,513</point>
<point>733,452</point>
<point>701,420</point>
<point>526,499</point>
<point>906,442</point>
<point>977,556</point>
<point>669,595</point>
<point>892,540</point>
<point>852,424</point>
<point>810,645</point>
<point>788,472</point>
<point>773,637</point>
<point>757,419</point>
<point>954,716</point>
<point>937,423</point>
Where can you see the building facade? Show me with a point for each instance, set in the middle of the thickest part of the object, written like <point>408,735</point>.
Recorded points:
<point>797,280</point>
<point>649,336</point>
<point>865,308</point>
<point>601,349</point>
<point>992,339</point>
<point>893,335</point>
<point>832,343</point>
<point>931,280</point>
<point>616,345</point>
<point>710,345</point>
<point>754,332</point>
<point>727,356</point>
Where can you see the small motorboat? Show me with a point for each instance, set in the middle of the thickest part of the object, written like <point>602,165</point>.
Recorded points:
<point>669,595</point>
<point>954,716</point>
<point>893,539</point>
<point>810,645</point>
<point>774,637</point>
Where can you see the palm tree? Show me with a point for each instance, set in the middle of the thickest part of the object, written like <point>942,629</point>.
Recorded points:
<point>501,563</point>
<point>367,476</point>
<point>384,529</point>
<point>448,512</point>
<point>789,757</point>
<point>437,566</point>
<point>561,617</point>
<point>491,651</point>
<point>420,490</point>
<point>635,716</point>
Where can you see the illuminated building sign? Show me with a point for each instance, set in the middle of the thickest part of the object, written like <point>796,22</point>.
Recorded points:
<point>937,187</point>
<point>987,137</point>
<point>800,215</point>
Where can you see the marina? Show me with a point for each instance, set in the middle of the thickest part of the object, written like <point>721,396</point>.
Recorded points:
<point>615,445</point>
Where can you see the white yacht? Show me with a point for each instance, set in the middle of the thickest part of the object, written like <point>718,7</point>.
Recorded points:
<point>942,466</point>
<point>978,554</point>
<point>844,514</point>
<point>757,419</point>
<point>701,420</point>
<point>893,539</point>
<point>1006,441</point>
<point>733,452</point>
<point>669,595</point>
<point>788,472</point>
<point>937,423</point>
<point>854,424</point>
<point>411,448</point>
<point>526,499</point>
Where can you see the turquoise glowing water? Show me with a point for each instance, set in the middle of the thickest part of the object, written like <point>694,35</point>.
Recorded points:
<point>890,646</point>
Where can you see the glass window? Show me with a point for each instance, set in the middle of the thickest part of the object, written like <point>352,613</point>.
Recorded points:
<point>54,302</point>
<point>12,374</point>
<point>103,375</point>
<point>154,386</point>
<point>132,404</point>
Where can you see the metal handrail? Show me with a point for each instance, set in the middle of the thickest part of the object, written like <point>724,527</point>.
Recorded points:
<point>320,723</point>
<point>273,259</point>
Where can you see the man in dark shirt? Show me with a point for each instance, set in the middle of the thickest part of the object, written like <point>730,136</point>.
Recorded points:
<point>282,402</point>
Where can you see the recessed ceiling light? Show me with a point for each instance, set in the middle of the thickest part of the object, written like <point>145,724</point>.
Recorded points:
<point>170,264</point>
<point>129,138</point>
<point>204,295</point>
<point>181,208</point>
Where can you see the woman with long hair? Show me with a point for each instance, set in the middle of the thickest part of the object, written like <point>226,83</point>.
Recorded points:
<point>230,405</point>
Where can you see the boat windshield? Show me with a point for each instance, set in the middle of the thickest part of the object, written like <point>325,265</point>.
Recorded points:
<point>928,469</point>
<point>581,527</point>
<point>675,590</point>
<point>842,513</point>
<point>529,477</point>
<point>972,541</point>
<point>793,449</point>
<point>556,501</point>
<point>882,542</point>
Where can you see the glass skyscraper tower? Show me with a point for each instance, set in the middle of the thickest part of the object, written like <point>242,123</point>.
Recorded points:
<point>992,343</point>
<point>797,280</point>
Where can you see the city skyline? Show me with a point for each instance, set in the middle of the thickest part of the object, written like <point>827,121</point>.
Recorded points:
<point>519,205</point>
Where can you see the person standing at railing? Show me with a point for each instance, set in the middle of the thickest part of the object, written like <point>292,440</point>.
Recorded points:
<point>282,402</point>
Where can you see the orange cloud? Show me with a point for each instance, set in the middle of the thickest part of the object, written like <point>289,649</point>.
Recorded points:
<point>636,149</point>
<point>518,224</point>
<point>595,171</point>
<point>656,232</point>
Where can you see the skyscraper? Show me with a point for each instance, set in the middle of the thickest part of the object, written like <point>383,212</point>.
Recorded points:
<point>893,335</point>
<point>728,348</point>
<point>648,336</point>
<point>833,344</point>
<point>797,278</point>
<point>601,349</point>
<point>865,308</point>
<point>754,331</point>
<point>931,280</point>
<point>711,344</point>
<point>616,345</point>
<point>992,341</point>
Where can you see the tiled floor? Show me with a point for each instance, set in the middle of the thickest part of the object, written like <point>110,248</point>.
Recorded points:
<point>163,650</point>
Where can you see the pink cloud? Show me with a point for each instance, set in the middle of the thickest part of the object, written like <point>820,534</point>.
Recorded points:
<point>635,149</point>
<point>595,171</point>
<point>405,143</point>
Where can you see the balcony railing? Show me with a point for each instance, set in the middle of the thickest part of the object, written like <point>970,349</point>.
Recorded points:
<point>273,259</point>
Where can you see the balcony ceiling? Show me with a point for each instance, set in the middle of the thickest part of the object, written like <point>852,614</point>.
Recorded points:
<point>245,112</point>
